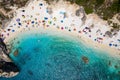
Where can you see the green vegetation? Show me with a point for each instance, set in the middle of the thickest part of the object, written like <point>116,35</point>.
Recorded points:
<point>19,3</point>
<point>110,11</point>
<point>99,2</point>
<point>2,16</point>
<point>116,26</point>
<point>85,3</point>
<point>88,10</point>
<point>105,9</point>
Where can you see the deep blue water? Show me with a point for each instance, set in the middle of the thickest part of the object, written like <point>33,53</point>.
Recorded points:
<point>57,57</point>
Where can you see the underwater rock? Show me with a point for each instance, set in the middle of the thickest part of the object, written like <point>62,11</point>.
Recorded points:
<point>48,65</point>
<point>116,67</point>
<point>85,59</point>
<point>109,63</point>
<point>30,72</point>
<point>119,72</point>
<point>16,52</point>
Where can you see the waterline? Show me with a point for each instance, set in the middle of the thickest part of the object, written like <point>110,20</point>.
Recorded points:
<point>50,56</point>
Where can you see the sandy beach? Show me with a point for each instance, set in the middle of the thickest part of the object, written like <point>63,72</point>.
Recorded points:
<point>39,16</point>
<point>100,47</point>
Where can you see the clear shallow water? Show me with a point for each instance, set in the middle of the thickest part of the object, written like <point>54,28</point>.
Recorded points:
<point>58,57</point>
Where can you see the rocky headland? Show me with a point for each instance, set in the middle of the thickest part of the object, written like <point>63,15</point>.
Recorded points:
<point>7,11</point>
<point>7,67</point>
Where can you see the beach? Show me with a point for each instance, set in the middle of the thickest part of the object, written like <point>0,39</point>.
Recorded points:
<point>112,51</point>
<point>91,30</point>
<point>40,54</point>
<point>63,34</point>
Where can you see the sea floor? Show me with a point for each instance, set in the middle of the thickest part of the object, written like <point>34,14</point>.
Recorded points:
<point>50,56</point>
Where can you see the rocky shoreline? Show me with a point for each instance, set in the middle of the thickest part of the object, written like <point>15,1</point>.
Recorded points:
<point>7,67</point>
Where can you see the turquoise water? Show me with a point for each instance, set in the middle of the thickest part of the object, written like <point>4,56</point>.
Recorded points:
<point>48,56</point>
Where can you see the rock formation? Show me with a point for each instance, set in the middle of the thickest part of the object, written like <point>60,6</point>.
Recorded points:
<point>7,67</point>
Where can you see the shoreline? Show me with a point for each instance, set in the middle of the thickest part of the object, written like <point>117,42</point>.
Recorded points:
<point>100,47</point>
<point>64,19</point>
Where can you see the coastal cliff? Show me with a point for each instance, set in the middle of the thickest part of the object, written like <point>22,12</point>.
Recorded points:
<point>7,10</point>
<point>7,67</point>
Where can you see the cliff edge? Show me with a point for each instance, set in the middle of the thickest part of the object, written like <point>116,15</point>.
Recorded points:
<point>7,67</point>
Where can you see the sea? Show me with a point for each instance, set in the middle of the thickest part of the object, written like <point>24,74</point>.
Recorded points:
<point>58,56</point>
